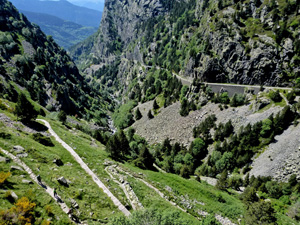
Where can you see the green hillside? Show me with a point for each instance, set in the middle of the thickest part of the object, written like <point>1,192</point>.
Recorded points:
<point>65,33</point>
<point>143,134</point>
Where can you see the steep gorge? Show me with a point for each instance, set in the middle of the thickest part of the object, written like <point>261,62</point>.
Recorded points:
<point>247,42</point>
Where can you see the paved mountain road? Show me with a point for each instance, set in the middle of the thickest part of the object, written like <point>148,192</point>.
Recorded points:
<point>87,169</point>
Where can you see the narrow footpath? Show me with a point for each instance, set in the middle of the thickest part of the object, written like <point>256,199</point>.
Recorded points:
<point>87,169</point>
<point>47,188</point>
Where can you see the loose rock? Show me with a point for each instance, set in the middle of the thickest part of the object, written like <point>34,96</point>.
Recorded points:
<point>63,181</point>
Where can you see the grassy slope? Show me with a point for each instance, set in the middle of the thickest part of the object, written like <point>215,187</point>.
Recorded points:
<point>89,197</point>
<point>82,188</point>
<point>202,192</point>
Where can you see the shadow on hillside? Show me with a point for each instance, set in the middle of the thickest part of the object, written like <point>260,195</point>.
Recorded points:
<point>36,126</point>
<point>8,185</point>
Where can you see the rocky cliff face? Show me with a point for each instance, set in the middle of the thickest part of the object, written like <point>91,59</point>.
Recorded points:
<point>119,26</point>
<point>248,42</point>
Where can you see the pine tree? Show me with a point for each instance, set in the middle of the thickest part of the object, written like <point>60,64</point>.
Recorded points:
<point>24,109</point>
<point>222,183</point>
<point>62,116</point>
<point>124,144</point>
<point>150,116</point>
<point>138,114</point>
<point>112,147</point>
<point>155,105</point>
<point>146,157</point>
<point>184,110</point>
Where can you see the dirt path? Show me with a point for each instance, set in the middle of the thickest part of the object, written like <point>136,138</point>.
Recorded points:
<point>87,169</point>
<point>122,182</point>
<point>47,188</point>
<point>152,187</point>
<point>222,220</point>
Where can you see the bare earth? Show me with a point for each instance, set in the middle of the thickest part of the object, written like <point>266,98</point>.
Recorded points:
<point>169,124</point>
<point>282,158</point>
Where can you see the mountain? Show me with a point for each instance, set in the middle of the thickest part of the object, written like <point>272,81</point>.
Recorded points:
<point>32,60</point>
<point>65,33</point>
<point>62,9</point>
<point>236,42</point>
<point>186,151</point>
<point>99,6</point>
<point>211,85</point>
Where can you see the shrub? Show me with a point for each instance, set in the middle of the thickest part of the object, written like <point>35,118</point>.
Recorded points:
<point>24,109</point>
<point>3,177</point>
<point>42,139</point>
<point>5,135</point>
<point>275,96</point>
<point>62,116</point>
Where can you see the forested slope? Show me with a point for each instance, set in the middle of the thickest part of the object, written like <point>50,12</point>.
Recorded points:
<point>32,60</point>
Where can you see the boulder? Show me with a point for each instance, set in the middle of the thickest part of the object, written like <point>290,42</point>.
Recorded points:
<point>262,103</point>
<point>63,181</point>
<point>22,155</point>
<point>74,204</point>
<point>58,162</point>
<point>18,149</point>
<point>13,195</point>
<point>24,181</point>
<point>3,159</point>
<point>16,168</point>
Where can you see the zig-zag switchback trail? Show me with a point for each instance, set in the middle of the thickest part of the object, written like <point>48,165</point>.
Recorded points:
<point>47,188</point>
<point>87,169</point>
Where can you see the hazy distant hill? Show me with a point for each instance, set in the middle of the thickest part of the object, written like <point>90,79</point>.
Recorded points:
<point>91,5</point>
<point>62,9</point>
<point>65,33</point>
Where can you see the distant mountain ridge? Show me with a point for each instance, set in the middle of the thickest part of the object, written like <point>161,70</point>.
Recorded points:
<point>62,9</point>
<point>99,6</point>
<point>65,33</point>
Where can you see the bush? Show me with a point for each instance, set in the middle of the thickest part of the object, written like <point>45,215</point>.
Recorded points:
<point>260,212</point>
<point>42,139</point>
<point>3,177</point>
<point>62,116</point>
<point>24,109</point>
<point>275,96</point>
<point>21,213</point>
<point>5,135</point>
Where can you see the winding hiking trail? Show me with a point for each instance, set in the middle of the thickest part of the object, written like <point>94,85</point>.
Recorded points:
<point>46,187</point>
<point>221,219</point>
<point>121,181</point>
<point>87,169</point>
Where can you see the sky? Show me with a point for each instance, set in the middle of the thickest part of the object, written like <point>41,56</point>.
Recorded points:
<point>87,1</point>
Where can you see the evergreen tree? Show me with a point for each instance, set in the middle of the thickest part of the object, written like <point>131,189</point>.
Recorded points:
<point>24,109</point>
<point>150,116</point>
<point>138,114</point>
<point>124,144</point>
<point>62,116</point>
<point>249,196</point>
<point>222,183</point>
<point>112,147</point>
<point>260,212</point>
<point>246,180</point>
<point>146,158</point>
<point>155,105</point>
<point>184,110</point>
